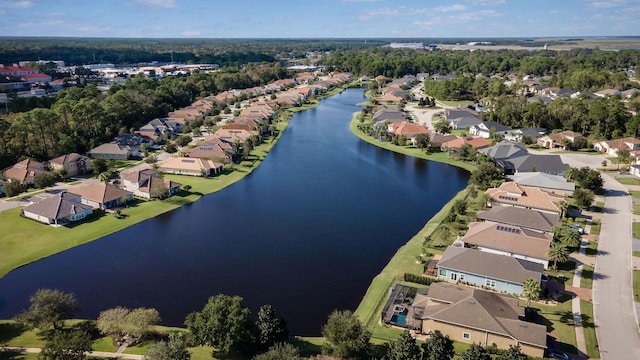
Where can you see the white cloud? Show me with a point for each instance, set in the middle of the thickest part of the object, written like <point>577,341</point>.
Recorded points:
<point>23,4</point>
<point>455,7</point>
<point>554,11</point>
<point>486,2</point>
<point>159,3</point>
<point>610,3</point>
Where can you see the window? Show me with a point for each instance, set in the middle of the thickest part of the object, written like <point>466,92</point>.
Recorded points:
<point>466,336</point>
<point>490,283</point>
<point>454,276</point>
<point>461,277</point>
<point>443,272</point>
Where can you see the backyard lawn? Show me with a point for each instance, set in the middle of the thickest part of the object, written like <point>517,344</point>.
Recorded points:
<point>559,321</point>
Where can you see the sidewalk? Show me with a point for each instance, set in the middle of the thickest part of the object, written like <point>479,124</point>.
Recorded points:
<point>575,301</point>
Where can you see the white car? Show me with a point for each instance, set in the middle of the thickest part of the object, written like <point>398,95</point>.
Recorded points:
<point>576,228</point>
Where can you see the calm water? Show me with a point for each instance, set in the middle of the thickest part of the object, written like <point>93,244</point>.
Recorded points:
<point>305,232</point>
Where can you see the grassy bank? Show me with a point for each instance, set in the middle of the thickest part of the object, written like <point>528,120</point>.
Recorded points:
<point>25,241</point>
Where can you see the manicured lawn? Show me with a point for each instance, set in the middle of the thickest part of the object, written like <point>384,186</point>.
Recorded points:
<point>598,207</point>
<point>628,181</point>
<point>636,209</point>
<point>596,225</point>
<point>104,344</point>
<point>588,326</point>
<point>636,253</point>
<point>634,193</point>
<point>592,248</point>
<point>635,227</point>
<point>12,335</point>
<point>30,241</point>
<point>564,272</point>
<point>636,285</point>
<point>586,280</point>
<point>559,321</point>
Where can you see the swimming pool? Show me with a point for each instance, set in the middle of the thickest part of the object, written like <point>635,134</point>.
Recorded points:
<point>400,319</point>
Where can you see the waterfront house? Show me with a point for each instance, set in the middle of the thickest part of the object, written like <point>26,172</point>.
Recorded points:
<point>147,184</point>
<point>472,315</point>
<point>461,118</point>
<point>512,194</point>
<point>212,149</point>
<point>521,217</point>
<point>74,164</point>
<point>509,240</point>
<point>58,209</point>
<point>190,166</point>
<point>553,183</point>
<point>102,196</point>
<point>454,145</point>
<point>407,129</point>
<point>484,269</point>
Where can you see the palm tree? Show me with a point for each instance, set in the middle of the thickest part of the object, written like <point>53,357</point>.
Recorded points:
<point>558,253</point>
<point>531,290</point>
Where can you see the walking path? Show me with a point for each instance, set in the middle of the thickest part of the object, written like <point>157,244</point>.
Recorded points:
<point>575,302</point>
<point>91,353</point>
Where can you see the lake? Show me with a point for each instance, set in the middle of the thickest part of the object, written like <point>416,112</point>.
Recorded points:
<point>305,232</point>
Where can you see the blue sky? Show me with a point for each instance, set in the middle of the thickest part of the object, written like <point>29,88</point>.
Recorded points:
<point>318,18</point>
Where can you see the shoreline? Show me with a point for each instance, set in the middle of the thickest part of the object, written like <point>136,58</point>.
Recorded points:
<point>404,258</point>
<point>103,224</point>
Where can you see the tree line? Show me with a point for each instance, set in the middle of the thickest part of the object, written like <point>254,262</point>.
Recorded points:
<point>83,117</point>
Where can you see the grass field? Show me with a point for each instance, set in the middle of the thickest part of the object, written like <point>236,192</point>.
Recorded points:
<point>636,285</point>
<point>592,248</point>
<point>589,328</point>
<point>586,280</point>
<point>596,225</point>
<point>628,181</point>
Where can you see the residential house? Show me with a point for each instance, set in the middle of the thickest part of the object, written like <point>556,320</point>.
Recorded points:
<point>159,128</point>
<point>518,135</point>
<point>58,209</point>
<point>611,147</point>
<point>407,129</point>
<point>512,158</point>
<point>190,166</point>
<point>472,315</point>
<point>236,134</point>
<point>25,171</point>
<point>461,118</point>
<point>509,240</point>
<point>482,269</point>
<point>111,151</point>
<point>552,183</point>
<point>74,164</point>
<point>455,144</point>
<point>486,129</point>
<point>562,140</point>
<point>528,197</point>
<point>521,217</point>
<point>388,114</point>
<point>213,149</point>
<point>102,196</point>
<point>395,96</point>
<point>608,92</point>
<point>147,184</point>
<point>437,140</point>
<point>628,94</point>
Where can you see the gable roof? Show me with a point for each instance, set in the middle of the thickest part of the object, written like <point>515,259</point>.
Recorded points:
<point>475,142</point>
<point>500,267</point>
<point>58,206</point>
<point>548,163</point>
<point>67,159</point>
<point>505,150</point>
<point>517,216</point>
<point>492,125</point>
<point>188,163</point>
<point>512,239</point>
<point>483,310</point>
<point>526,196</point>
<point>24,171</point>
<point>407,128</point>
<point>543,180</point>
<point>621,143</point>
<point>100,192</point>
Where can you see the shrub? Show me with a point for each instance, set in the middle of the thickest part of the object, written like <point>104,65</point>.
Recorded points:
<point>418,279</point>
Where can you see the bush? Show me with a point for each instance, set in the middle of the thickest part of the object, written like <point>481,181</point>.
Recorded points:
<point>418,279</point>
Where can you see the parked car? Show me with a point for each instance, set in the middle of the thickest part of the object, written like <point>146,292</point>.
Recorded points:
<point>576,228</point>
<point>557,354</point>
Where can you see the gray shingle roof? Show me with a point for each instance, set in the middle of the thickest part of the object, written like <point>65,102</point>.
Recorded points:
<point>58,206</point>
<point>520,217</point>
<point>543,180</point>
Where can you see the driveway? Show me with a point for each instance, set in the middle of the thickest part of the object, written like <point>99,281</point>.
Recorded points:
<point>613,305</point>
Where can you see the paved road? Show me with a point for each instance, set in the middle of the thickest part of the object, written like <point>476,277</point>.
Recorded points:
<point>613,306</point>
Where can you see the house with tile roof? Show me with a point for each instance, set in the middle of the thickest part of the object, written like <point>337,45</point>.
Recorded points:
<point>59,209</point>
<point>407,129</point>
<point>25,171</point>
<point>454,145</point>
<point>512,194</point>
<point>552,183</point>
<point>147,184</point>
<point>561,140</point>
<point>509,240</point>
<point>472,315</point>
<point>190,166</point>
<point>74,164</point>
<point>214,149</point>
<point>611,147</point>
<point>102,196</point>
<point>437,140</point>
<point>521,217</point>
<point>497,272</point>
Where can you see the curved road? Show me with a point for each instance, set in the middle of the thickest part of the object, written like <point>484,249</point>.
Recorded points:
<point>613,305</point>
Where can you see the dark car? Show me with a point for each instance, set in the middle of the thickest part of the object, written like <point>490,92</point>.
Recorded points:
<point>557,354</point>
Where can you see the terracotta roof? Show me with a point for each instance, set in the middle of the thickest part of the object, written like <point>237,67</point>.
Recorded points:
<point>499,267</point>
<point>100,192</point>
<point>66,159</point>
<point>525,196</point>
<point>407,128</point>
<point>621,143</point>
<point>482,310</point>
<point>508,238</point>
<point>194,164</point>
<point>475,142</point>
<point>24,171</point>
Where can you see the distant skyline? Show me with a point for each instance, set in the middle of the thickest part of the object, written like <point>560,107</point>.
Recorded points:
<point>319,18</point>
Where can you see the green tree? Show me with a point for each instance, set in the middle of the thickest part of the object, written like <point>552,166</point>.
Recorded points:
<point>467,152</point>
<point>223,323</point>
<point>113,322</point>
<point>174,349</point>
<point>183,140</point>
<point>271,328</point>
<point>586,178</point>
<point>531,290</point>
<point>42,180</point>
<point>584,198</point>
<point>404,348</point>
<point>624,157</point>
<point>66,345</point>
<point>99,165</point>
<point>558,253</point>
<point>13,188</point>
<point>49,308</point>
<point>438,347</point>
<point>566,236</point>
<point>140,321</point>
<point>345,337</point>
<point>280,351</point>
<point>513,353</point>
<point>475,352</point>
<point>486,175</point>
<point>422,141</point>
<point>442,126</point>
